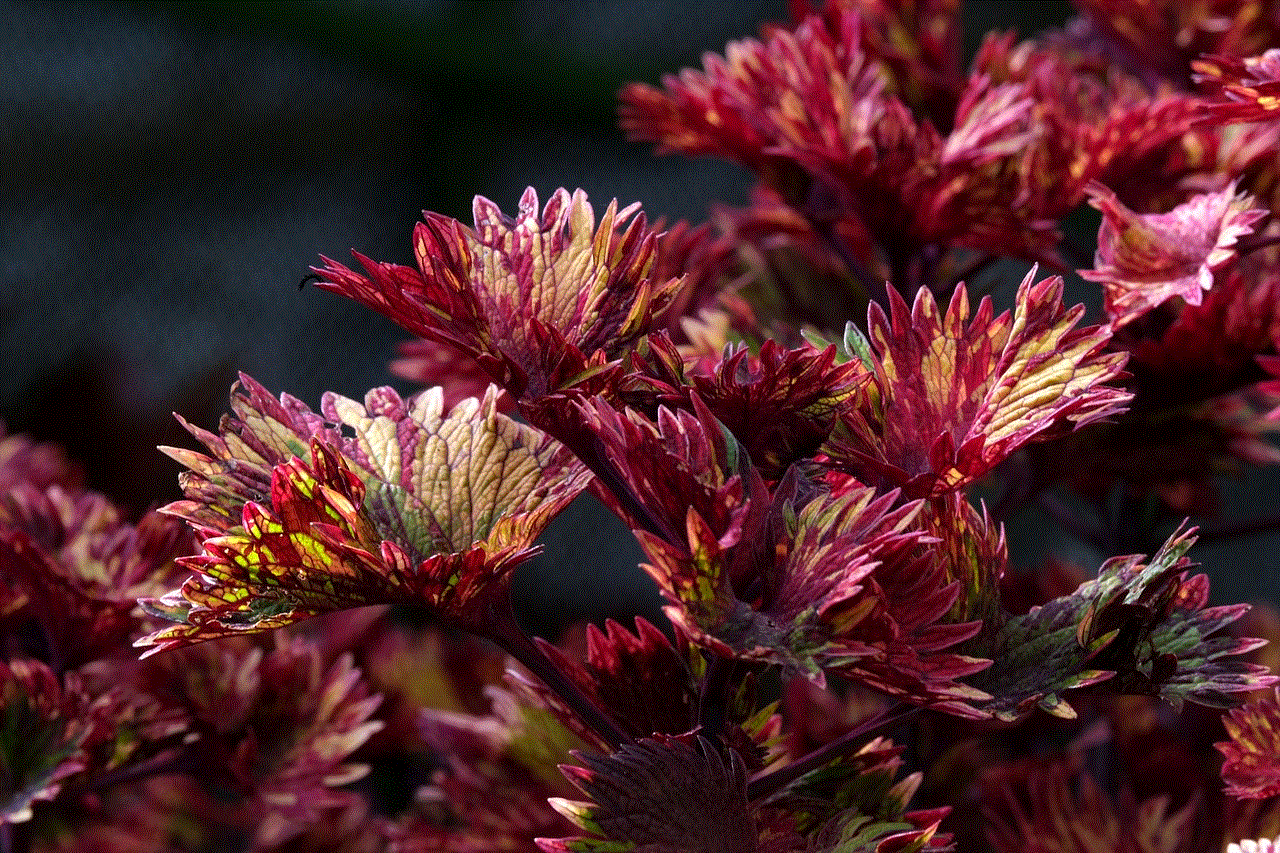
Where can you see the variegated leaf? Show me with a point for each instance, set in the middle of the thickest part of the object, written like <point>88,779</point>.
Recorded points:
<point>1141,627</point>
<point>531,299</point>
<point>953,395</point>
<point>415,505</point>
<point>1144,260</point>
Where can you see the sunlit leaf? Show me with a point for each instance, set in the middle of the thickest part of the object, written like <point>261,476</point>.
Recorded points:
<point>532,299</point>
<point>414,506</point>
<point>953,395</point>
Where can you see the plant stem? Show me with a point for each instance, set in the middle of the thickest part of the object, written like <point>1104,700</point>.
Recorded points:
<point>762,785</point>
<point>711,706</point>
<point>517,644</point>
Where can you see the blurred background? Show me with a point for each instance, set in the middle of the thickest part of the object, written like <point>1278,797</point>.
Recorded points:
<point>169,172</point>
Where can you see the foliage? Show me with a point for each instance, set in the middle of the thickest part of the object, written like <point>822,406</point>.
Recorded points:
<point>797,409</point>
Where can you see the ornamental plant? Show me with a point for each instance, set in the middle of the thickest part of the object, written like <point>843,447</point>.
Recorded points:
<point>816,414</point>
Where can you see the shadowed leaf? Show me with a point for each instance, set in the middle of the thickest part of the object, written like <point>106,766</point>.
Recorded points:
<point>1141,627</point>
<point>663,796</point>
<point>1252,768</point>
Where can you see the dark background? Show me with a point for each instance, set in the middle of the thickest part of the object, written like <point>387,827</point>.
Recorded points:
<point>170,171</point>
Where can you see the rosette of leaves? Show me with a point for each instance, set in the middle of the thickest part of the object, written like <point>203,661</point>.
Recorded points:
<point>1097,118</point>
<point>891,176</point>
<point>536,301</point>
<point>76,723</point>
<point>646,683</point>
<point>278,725</point>
<point>415,506</point>
<point>802,578</point>
<point>75,570</point>
<point>780,404</point>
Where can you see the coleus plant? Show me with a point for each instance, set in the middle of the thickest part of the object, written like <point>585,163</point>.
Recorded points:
<point>815,428</point>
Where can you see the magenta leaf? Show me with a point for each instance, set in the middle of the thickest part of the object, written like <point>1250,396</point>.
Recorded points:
<point>658,470</point>
<point>533,299</point>
<point>1144,260</point>
<point>1252,766</point>
<point>280,722</point>
<point>953,395</point>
